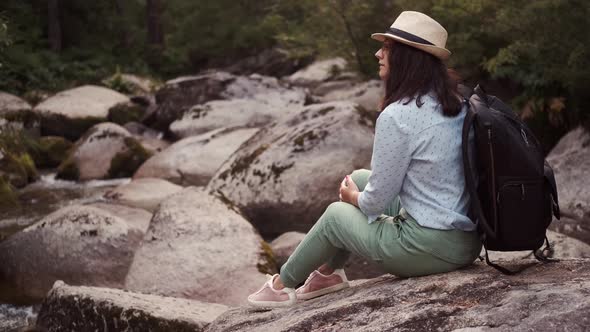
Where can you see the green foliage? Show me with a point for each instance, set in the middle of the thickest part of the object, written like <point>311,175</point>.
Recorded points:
<point>117,83</point>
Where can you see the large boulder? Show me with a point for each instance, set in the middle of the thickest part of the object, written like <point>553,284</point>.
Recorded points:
<point>81,244</point>
<point>318,72</point>
<point>10,103</point>
<point>546,297</point>
<point>288,173</point>
<point>570,160</point>
<point>107,150</point>
<point>194,160</point>
<point>253,101</point>
<point>70,113</point>
<point>71,308</point>
<point>146,193</point>
<point>178,95</point>
<point>197,247</point>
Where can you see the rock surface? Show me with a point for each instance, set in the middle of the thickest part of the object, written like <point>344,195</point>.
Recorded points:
<point>194,160</point>
<point>252,101</point>
<point>367,94</point>
<point>287,174</point>
<point>83,245</point>
<point>10,103</point>
<point>570,160</point>
<point>317,72</point>
<point>146,193</point>
<point>271,62</point>
<point>70,308</point>
<point>198,248</point>
<point>107,150</point>
<point>548,297</point>
<point>70,113</point>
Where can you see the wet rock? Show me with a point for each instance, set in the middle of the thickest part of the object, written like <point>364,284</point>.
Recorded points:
<point>145,193</point>
<point>545,297</point>
<point>106,151</point>
<point>570,160</point>
<point>252,101</point>
<point>289,172</point>
<point>194,160</point>
<point>367,94</point>
<point>71,308</point>
<point>83,245</point>
<point>317,72</point>
<point>197,247</point>
<point>72,112</point>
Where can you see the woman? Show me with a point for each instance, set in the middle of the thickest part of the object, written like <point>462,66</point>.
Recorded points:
<point>409,214</point>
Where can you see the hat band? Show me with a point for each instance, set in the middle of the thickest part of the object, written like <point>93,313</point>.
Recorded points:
<point>406,35</point>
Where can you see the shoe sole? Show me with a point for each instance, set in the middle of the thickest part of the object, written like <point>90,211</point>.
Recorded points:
<point>271,304</point>
<point>323,291</point>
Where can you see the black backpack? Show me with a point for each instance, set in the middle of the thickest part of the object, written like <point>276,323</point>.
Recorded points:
<point>512,188</point>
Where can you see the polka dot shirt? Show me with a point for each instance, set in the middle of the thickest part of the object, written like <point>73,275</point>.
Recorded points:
<point>417,155</point>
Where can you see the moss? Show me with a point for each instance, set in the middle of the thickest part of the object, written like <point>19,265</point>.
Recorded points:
<point>123,113</point>
<point>267,262</point>
<point>68,169</point>
<point>15,162</point>
<point>241,164</point>
<point>8,198</point>
<point>50,151</point>
<point>125,163</point>
<point>72,129</point>
<point>28,118</point>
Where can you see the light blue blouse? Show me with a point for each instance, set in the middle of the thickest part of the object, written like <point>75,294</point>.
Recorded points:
<point>417,155</point>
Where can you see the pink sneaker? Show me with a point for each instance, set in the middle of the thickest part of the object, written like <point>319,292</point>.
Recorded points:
<point>318,284</point>
<point>268,297</point>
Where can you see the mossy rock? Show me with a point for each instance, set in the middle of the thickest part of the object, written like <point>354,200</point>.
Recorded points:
<point>123,113</point>
<point>50,151</point>
<point>8,198</point>
<point>125,163</point>
<point>68,170</point>
<point>267,263</point>
<point>70,128</point>
<point>15,161</point>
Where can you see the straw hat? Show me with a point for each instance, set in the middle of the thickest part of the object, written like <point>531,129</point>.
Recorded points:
<point>419,31</point>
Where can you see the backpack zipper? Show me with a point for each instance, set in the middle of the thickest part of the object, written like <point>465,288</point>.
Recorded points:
<point>493,178</point>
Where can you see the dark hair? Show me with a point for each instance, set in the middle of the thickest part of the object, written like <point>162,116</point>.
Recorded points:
<point>415,73</point>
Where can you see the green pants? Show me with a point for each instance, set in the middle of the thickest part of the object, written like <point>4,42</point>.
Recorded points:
<point>395,241</point>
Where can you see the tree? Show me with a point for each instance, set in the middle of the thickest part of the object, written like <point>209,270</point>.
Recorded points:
<point>54,25</point>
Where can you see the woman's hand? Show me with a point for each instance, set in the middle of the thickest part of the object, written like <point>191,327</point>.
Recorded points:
<point>349,192</point>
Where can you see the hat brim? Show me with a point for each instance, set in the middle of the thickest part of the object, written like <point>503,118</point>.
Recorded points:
<point>439,52</point>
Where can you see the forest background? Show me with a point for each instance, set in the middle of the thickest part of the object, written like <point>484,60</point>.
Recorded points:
<point>535,54</point>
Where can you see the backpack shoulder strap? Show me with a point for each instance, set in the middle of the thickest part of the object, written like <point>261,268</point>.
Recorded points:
<point>470,177</point>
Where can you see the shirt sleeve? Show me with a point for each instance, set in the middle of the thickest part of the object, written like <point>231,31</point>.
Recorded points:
<point>389,163</point>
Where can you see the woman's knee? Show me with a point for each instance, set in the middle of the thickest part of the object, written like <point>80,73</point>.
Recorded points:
<point>360,177</point>
<point>338,212</point>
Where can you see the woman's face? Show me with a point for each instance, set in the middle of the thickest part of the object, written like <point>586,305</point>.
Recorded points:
<point>383,57</point>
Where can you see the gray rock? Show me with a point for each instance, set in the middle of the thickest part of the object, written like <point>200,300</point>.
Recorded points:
<point>570,160</point>
<point>178,95</point>
<point>564,247</point>
<point>83,245</point>
<point>17,114</point>
<point>107,150</point>
<point>70,308</point>
<point>366,94</point>
<point>198,248</point>
<point>317,72</point>
<point>10,103</point>
<point>545,297</point>
<point>289,172</point>
<point>194,160</point>
<point>145,193</point>
<point>284,245</point>
<point>252,101</point>
<point>70,113</point>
